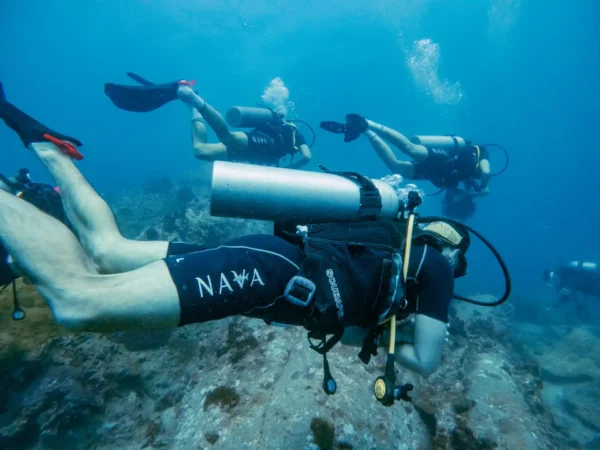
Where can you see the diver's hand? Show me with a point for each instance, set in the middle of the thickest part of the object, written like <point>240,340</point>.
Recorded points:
<point>482,193</point>
<point>565,291</point>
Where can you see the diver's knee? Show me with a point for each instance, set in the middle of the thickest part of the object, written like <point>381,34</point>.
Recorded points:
<point>203,153</point>
<point>72,310</point>
<point>104,252</point>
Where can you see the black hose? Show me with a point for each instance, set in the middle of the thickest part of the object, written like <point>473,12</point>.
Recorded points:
<point>495,174</point>
<point>435,193</point>
<point>276,114</point>
<point>508,283</point>
<point>314,138</point>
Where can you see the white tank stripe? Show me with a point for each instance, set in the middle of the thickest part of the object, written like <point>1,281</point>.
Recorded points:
<point>422,261</point>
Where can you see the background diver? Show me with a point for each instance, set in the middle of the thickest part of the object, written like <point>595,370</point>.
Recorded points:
<point>445,161</point>
<point>96,280</point>
<point>573,281</point>
<point>271,139</point>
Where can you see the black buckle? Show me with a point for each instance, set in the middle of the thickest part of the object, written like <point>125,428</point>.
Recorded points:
<point>300,291</point>
<point>370,201</point>
<point>370,198</point>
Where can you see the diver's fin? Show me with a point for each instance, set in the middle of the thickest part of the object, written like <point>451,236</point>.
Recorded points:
<point>2,96</point>
<point>355,126</point>
<point>141,98</point>
<point>333,127</point>
<point>139,79</point>
<point>30,130</point>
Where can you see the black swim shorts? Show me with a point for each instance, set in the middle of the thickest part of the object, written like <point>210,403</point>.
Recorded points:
<point>241,277</point>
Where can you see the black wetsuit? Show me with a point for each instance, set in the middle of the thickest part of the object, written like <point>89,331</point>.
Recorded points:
<point>579,277</point>
<point>247,275</point>
<point>268,144</point>
<point>448,167</point>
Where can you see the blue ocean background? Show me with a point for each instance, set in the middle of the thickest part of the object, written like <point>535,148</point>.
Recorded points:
<point>527,74</point>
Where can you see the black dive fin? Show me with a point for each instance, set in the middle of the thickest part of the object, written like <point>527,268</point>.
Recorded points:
<point>2,96</point>
<point>355,126</point>
<point>139,79</point>
<point>333,127</point>
<point>141,98</point>
<point>29,130</point>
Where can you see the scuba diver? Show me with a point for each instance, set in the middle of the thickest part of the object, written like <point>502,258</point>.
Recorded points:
<point>572,281</point>
<point>44,197</point>
<point>271,139</point>
<point>377,271</point>
<point>445,161</point>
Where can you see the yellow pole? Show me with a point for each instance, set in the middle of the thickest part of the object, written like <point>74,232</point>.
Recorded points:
<point>409,233</point>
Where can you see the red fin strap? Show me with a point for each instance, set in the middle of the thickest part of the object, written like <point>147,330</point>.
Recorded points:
<point>65,147</point>
<point>187,83</point>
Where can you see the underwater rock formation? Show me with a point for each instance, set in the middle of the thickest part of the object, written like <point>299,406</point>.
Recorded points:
<point>480,398</point>
<point>569,361</point>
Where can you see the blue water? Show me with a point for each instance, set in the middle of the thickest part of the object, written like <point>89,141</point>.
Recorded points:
<point>528,73</point>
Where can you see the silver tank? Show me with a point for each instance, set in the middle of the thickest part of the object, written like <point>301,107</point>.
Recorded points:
<point>248,117</point>
<point>439,141</point>
<point>276,194</point>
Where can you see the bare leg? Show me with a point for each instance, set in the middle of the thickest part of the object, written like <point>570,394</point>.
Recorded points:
<point>232,140</point>
<point>202,149</point>
<point>50,255</point>
<point>416,152</point>
<point>404,168</point>
<point>93,219</point>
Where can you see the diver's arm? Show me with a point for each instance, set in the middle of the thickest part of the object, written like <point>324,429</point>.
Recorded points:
<point>485,176</point>
<point>415,151</point>
<point>354,336</point>
<point>425,354</point>
<point>484,166</point>
<point>305,157</point>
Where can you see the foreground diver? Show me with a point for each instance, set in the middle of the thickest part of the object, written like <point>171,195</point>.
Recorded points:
<point>445,161</point>
<point>104,282</point>
<point>574,280</point>
<point>270,140</point>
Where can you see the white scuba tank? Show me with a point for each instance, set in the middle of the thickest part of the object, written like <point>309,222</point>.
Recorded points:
<point>249,117</point>
<point>278,194</point>
<point>439,141</point>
